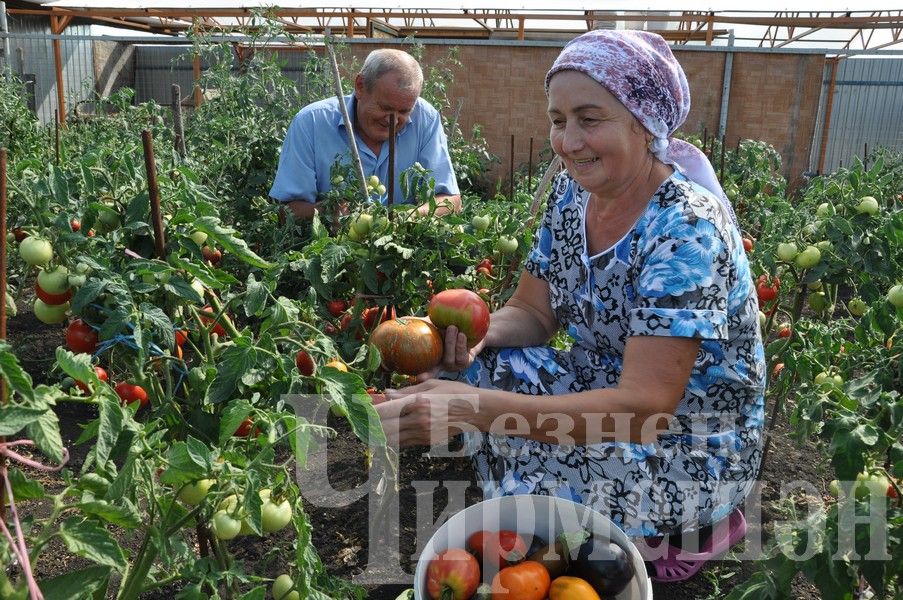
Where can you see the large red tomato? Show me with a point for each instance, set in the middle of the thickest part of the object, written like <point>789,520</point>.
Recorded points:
<point>453,575</point>
<point>528,580</point>
<point>407,345</point>
<point>130,392</point>
<point>81,337</point>
<point>462,308</point>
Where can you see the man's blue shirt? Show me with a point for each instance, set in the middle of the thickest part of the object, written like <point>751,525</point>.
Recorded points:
<point>316,138</point>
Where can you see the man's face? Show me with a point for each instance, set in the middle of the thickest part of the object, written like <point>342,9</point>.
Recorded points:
<point>375,105</point>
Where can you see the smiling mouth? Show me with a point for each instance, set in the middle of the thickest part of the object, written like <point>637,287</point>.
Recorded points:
<point>585,161</point>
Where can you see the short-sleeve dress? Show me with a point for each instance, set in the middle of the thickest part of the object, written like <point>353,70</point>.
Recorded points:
<point>680,271</point>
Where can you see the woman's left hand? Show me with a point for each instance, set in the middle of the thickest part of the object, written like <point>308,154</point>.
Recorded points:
<point>429,413</point>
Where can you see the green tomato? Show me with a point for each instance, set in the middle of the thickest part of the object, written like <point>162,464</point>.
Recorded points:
<point>808,258</point>
<point>82,268</point>
<point>194,493</point>
<point>50,314</point>
<point>825,246</point>
<point>834,488</point>
<point>54,282</point>
<point>35,251</point>
<point>282,588</point>
<point>895,295</point>
<point>274,517</point>
<point>763,319</point>
<point>857,306</point>
<point>354,235</point>
<point>825,210</point>
<point>77,281</point>
<point>867,482</point>
<point>362,224</point>
<point>338,180</point>
<point>373,181</point>
<point>818,301</point>
<point>787,251</point>
<point>480,222</point>
<point>225,527</point>
<point>381,190</point>
<point>507,244</point>
<point>198,237</point>
<point>814,286</point>
<point>107,220</point>
<point>868,205</point>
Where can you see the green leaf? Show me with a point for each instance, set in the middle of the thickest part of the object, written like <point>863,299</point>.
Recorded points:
<point>14,418</point>
<point>87,294</point>
<point>76,585</point>
<point>45,432</point>
<point>226,238</point>
<point>122,486</point>
<point>256,296</point>
<point>111,418</point>
<point>23,487</point>
<point>160,323</point>
<point>332,262</point>
<point>188,461</point>
<point>233,415</point>
<point>15,377</point>
<point>181,288</point>
<point>138,209</point>
<point>77,366</point>
<point>124,514</point>
<point>233,364</point>
<point>347,391</point>
<point>89,540</point>
<point>258,593</point>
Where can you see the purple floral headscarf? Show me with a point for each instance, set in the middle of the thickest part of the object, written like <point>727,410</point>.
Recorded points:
<point>640,70</point>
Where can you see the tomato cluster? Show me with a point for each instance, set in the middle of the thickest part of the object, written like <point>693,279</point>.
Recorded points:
<point>500,564</point>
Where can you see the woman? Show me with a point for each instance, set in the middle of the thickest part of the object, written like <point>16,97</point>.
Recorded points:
<point>640,260</point>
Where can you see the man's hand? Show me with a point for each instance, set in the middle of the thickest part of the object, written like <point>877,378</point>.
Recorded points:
<point>301,209</point>
<point>444,205</point>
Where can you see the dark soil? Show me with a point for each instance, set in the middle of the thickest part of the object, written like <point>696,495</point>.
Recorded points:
<point>342,534</point>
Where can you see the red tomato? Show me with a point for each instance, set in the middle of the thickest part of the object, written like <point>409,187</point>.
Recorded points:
<point>81,337</point>
<point>101,374</point>
<point>245,428</point>
<point>212,255</point>
<point>218,327</point>
<point>52,299</point>
<point>497,548</point>
<point>408,346</point>
<point>777,370</point>
<point>767,291</point>
<point>336,307</point>
<point>376,396</point>
<point>129,392</point>
<point>462,308</point>
<point>181,337</point>
<point>369,316</point>
<point>330,329</point>
<point>747,244</point>
<point>305,363</point>
<point>485,264</point>
<point>784,332</point>
<point>90,233</point>
<point>19,233</point>
<point>453,575</point>
<point>75,224</point>
<point>528,580</point>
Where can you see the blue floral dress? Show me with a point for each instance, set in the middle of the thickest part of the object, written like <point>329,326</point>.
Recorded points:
<point>680,271</point>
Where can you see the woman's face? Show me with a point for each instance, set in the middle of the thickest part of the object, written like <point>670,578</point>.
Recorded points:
<point>602,144</point>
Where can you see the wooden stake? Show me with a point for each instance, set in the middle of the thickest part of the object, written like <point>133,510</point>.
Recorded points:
<point>390,185</point>
<point>177,126</point>
<point>349,130</point>
<point>56,135</point>
<point>721,178</point>
<point>154,193</point>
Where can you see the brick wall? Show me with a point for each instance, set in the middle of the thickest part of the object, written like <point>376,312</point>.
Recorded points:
<point>773,97</point>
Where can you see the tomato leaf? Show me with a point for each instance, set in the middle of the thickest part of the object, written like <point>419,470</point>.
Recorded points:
<point>23,487</point>
<point>160,323</point>
<point>13,374</point>
<point>258,593</point>
<point>225,237</point>
<point>89,540</point>
<point>45,431</point>
<point>181,288</point>
<point>14,418</point>
<point>87,294</point>
<point>256,296</point>
<point>188,461</point>
<point>347,390</point>
<point>124,514</point>
<point>76,585</point>
<point>233,364</point>
<point>111,417</point>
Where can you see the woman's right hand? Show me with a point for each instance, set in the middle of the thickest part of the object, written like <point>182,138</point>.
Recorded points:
<point>456,355</point>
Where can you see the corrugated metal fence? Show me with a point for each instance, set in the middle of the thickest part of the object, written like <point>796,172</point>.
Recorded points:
<point>866,110</point>
<point>31,56</point>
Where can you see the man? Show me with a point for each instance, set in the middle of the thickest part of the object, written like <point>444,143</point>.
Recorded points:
<point>389,82</point>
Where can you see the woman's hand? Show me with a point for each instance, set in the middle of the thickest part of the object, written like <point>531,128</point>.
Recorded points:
<point>429,413</point>
<point>456,356</point>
